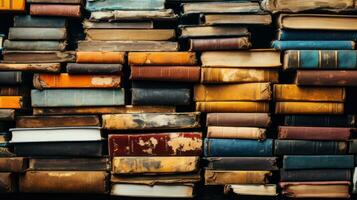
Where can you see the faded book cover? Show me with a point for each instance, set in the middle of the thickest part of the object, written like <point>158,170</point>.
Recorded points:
<point>238,75</point>
<point>218,177</point>
<point>260,120</point>
<point>162,58</point>
<point>57,121</point>
<point>232,107</point>
<point>309,108</point>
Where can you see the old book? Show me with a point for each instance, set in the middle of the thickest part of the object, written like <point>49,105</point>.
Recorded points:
<point>60,10</point>
<point>238,75</point>
<point>14,91</point>
<point>318,162</point>
<point>233,107</point>
<point>13,164</point>
<point>320,120</point>
<point>57,121</point>
<point>31,67</point>
<point>134,15</point>
<point>77,97</point>
<point>315,175</point>
<point>318,22</point>
<point>38,56</point>
<point>87,24</point>
<point>311,45</point>
<point>11,78</point>
<point>154,165</point>
<point>236,19</point>
<point>100,57</point>
<point>236,132</point>
<point>218,177</point>
<point>7,114</point>
<point>252,189</point>
<point>5,152</point>
<point>307,147</point>
<point>10,5</point>
<point>331,189</point>
<point>156,144</point>
<point>291,92</point>
<point>62,182</point>
<point>8,182</point>
<point>239,119</point>
<point>34,45</point>
<point>125,5</point>
<point>63,134</point>
<point>309,108</point>
<point>352,146</point>
<point>25,33</point>
<point>212,31</point>
<point>81,68</point>
<point>39,22</point>
<point>238,148</point>
<point>220,7</point>
<point>64,80</point>
<point>243,163</point>
<point>57,1</point>
<point>233,92</point>
<point>314,133</point>
<point>162,58</point>
<point>325,35</point>
<point>153,191</point>
<point>103,110</point>
<point>151,180</point>
<point>326,78</point>
<point>127,46</point>
<point>69,164</point>
<point>130,34</point>
<point>233,43</point>
<point>12,102</point>
<point>165,73</point>
<point>64,149</point>
<point>267,58</point>
<point>142,121</point>
<point>161,96</point>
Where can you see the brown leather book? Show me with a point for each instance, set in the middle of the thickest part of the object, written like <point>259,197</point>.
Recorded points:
<point>243,163</point>
<point>156,144</point>
<point>127,46</point>
<point>309,108</point>
<point>235,19</point>
<point>233,106</point>
<point>326,77</point>
<point>162,58</point>
<point>56,1</point>
<point>13,164</point>
<point>100,57</point>
<point>220,44</point>
<point>7,182</point>
<point>69,164</point>
<point>56,10</point>
<point>64,182</point>
<point>38,57</point>
<point>165,73</point>
<point>130,34</point>
<point>238,75</point>
<point>157,180</point>
<point>7,114</point>
<point>314,133</point>
<point>56,121</point>
<point>219,177</point>
<point>32,67</point>
<point>262,120</point>
<point>236,132</point>
<point>14,91</point>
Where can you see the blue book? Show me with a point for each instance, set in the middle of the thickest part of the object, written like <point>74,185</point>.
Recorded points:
<point>319,162</point>
<point>317,35</point>
<point>238,148</point>
<point>313,45</point>
<point>39,21</point>
<point>101,5</point>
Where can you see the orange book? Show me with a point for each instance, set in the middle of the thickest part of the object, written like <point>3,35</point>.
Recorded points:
<point>11,102</point>
<point>233,106</point>
<point>12,5</point>
<point>101,57</point>
<point>64,80</point>
<point>162,58</point>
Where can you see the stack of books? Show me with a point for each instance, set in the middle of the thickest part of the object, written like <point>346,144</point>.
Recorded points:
<point>10,169</point>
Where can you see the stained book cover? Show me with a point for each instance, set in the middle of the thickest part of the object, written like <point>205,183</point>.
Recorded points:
<point>69,164</point>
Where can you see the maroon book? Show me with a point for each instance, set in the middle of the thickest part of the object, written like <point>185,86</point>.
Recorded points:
<point>313,133</point>
<point>156,144</point>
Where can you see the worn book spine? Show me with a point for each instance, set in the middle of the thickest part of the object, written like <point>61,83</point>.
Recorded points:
<point>64,80</point>
<point>130,34</point>
<point>233,107</point>
<point>212,31</point>
<point>56,1</point>
<point>162,58</point>
<point>80,68</point>
<point>38,57</point>
<point>326,78</point>
<point>14,91</point>
<point>153,179</point>
<point>233,92</point>
<point>309,108</point>
<point>145,24</point>
<point>7,114</point>
<point>31,67</point>
<point>315,175</point>
<point>311,45</point>
<point>320,120</point>
<point>261,120</point>
<point>10,164</point>
<point>141,121</point>
<point>39,22</point>
<point>306,147</point>
<point>238,147</point>
<point>318,162</point>
<point>316,35</point>
<point>147,165</point>
<point>161,96</point>
<point>11,102</point>
<point>266,190</point>
<point>220,44</point>
<point>55,10</point>
<point>352,146</point>
<point>56,121</point>
<point>127,46</point>
<point>125,5</point>
<point>164,73</point>
<point>133,15</point>
<point>34,45</point>
<point>8,181</point>
<point>77,97</point>
<point>10,78</point>
<point>236,132</point>
<point>243,163</point>
<point>11,5</point>
<point>160,144</point>
<point>100,57</point>
<point>314,133</point>
<point>62,182</point>
<point>238,75</point>
<point>69,164</point>
<point>20,33</point>
<point>217,177</point>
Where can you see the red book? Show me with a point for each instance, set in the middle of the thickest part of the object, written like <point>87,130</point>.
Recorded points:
<point>313,133</point>
<point>156,144</point>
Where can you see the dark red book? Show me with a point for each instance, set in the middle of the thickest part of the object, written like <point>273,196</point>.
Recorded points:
<point>156,144</point>
<point>313,133</point>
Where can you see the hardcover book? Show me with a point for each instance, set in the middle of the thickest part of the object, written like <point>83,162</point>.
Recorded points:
<point>307,108</point>
<point>315,175</point>
<point>100,57</point>
<point>164,73</point>
<point>39,22</point>
<point>217,177</point>
<point>90,46</point>
<point>325,78</point>
<point>153,191</point>
<point>243,163</point>
<point>56,10</point>
<point>236,132</point>
<point>233,107</point>
<point>11,5</point>
<point>130,34</point>
<point>207,44</point>
<point>261,120</point>
<point>38,57</point>
<point>320,120</point>
<point>96,5</point>
<point>32,67</point>
<point>307,147</point>
<point>69,164</point>
<point>57,121</point>
<point>212,31</point>
<point>13,164</point>
<point>95,69</point>
<point>8,182</point>
<point>26,33</point>
<point>312,45</point>
<point>166,179</point>
<point>256,189</point>
<point>318,162</point>
<point>162,58</point>
<point>314,133</point>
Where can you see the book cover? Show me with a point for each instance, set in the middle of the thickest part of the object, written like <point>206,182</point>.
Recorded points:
<point>236,132</point>
<point>120,46</point>
<point>165,73</point>
<point>261,120</point>
<point>255,190</point>
<point>38,57</point>
<point>12,102</point>
<point>326,78</point>
<point>232,107</point>
<point>153,191</point>
<point>57,121</point>
<point>318,162</point>
<point>56,10</point>
<point>69,164</point>
<point>31,67</point>
<point>13,164</point>
<point>308,147</point>
<point>161,96</point>
<point>243,163</point>
<point>320,120</point>
<point>34,45</point>
<point>8,182</point>
<point>26,33</point>
<point>95,69</point>
<point>308,108</point>
<point>130,34</point>
<point>39,22</point>
<point>314,133</point>
<point>100,57</point>
<point>315,175</point>
<point>217,177</point>
<point>311,45</point>
<point>165,179</point>
<point>96,5</point>
<point>11,5</point>
<point>291,34</point>
<point>162,58</point>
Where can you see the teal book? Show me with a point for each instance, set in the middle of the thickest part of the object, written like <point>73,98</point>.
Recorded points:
<point>102,5</point>
<point>77,97</point>
<point>313,45</point>
<point>318,162</point>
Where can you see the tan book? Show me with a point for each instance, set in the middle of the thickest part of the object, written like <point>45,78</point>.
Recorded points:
<point>236,132</point>
<point>32,67</point>
<point>217,177</point>
<point>219,7</point>
<point>57,121</point>
<point>252,189</point>
<point>233,92</point>
<point>309,108</point>
<point>236,19</point>
<point>130,34</point>
<point>162,58</point>
<point>238,75</point>
<point>116,46</point>
<point>213,31</point>
<point>233,106</point>
<point>156,180</point>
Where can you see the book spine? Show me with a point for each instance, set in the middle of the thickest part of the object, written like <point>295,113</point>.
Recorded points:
<point>315,175</point>
<point>69,164</point>
<point>10,78</point>
<point>352,146</point>
<point>320,120</point>
<point>239,119</point>
<point>238,75</point>
<point>127,46</point>
<point>33,21</point>
<point>233,107</point>
<point>77,68</point>
<point>164,73</point>
<point>308,108</point>
<point>318,162</point>
<point>32,67</point>
<point>37,34</point>
<point>38,57</point>
<point>100,57</point>
<point>10,164</point>
<point>10,5</point>
<point>7,114</point>
<point>317,35</point>
<point>162,58</point>
<point>57,121</point>
<point>303,147</point>
<point>314,133</point>
<point>132,35</point>
<point>311,45</point>
<point>11,102</point>
<point>56,1</point>
<point>242,163</point>
<point>7,179</point>
<point>124,5</point>
<point>152,96</point>
<point>55,10</point>
<point>326,78</point>
<point>220,44</point>
<point>236,132</point>
<point>11,91</point>
<point>213,177</point>
<point>34,45</point>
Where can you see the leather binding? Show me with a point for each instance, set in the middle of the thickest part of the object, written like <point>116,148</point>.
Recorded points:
<point>127,46</point>
<point>164,73</point>
<point>32,67</point>
<point>310,45</point>
<point>243,163</point>
<point>69,164</point>
<point>161,96</point>
<point>78,68</point>
<point>320,120</point>
<point>11,5</point>
<point>13,164</point>
<point>55,10</point>
<point>39,22</point>
<point>303,147</point>
<point>7,114</point>
<point>261,120</point>
<point>100,57</point>
<point>314,133</point>
<point>12,102</point>
<point>318,162</point>
<point>11,78</point>
<point>219,44</point>
<point>217,177</point>
<point>156,144</point>
<point>233,107</point>
<point>326,78</point>
<point>306,108</point>
<point>130,34</point>
<point>87,24</point>
<point>352,147</point>
<point>34,45</point>
<point>21,33</point>
<point>325,35</point>
<point>238,75</point>
<point>315,175</point>
<point>124,15</point>
<point>236,132</point>
<point>38,57</point>
<point>162,58</point>
<point>14,91</point>
<point>164,179</point>
<point>7,182</point>
<point>57,121</point>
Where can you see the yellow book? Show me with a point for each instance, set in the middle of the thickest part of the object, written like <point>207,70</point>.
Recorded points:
<point>309,108</point>
<point>233,107</point>
<point>12,5</point>
<point>217,177</point>
<point>11,102</point>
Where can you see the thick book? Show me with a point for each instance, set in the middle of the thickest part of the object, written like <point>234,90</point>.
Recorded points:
<point>69,164</point>
<point>333,35</point>
<point>57,1</point>
<point>134,15</point>
<point>95,69</point>
<point>308,108</point>
<point>151,121</point>
<point>236,132</point>
<point>64,134</point>
<point>212,75</point>
<point>161,96</point>
<point>232,107</point>
<point>11,78</point>
<point>220,7</point>
<point>148,24</point>
<point>255,190</point>
<point>55,10</point>
<point>154,179</point>
<point>267,58</point>
<point>12,102</point>
<point>26,33</point>
<point>261,120</point>
<point>307,147</point>
<point>326,78</point>
<point>96,5</point>
<point>156,144</point>
<point>162,58</point>
<point>65,80</point>
<point>233,43</point>
<point>155,165</point>
<point>233,92</point>
<point>77,97</point>
<point>165,73</point>
<point>320,120</point>
<point>152,191</point>
<point>34,45</point>
<point>318,162</point>
<point>292,92</point>
<point>209,19</point>
<point>100,57</point>
<point>13,164</point>
<point>31,67</point>
<point>62,182</point>
<point>127,46</point>
<point>315,175</point>
<point>243,163</point>
<point>39,22</point>
<point>313,45</point>
<point>218,177</point>
<point>314,133</point>
<point>238,148</point>
<point>212,31</point>
<point>57,121</point>
<point>130,34</point>
<point>38,56</point>
<point>7,180</point>
<point>7,114</point>
<point>324,189</point>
